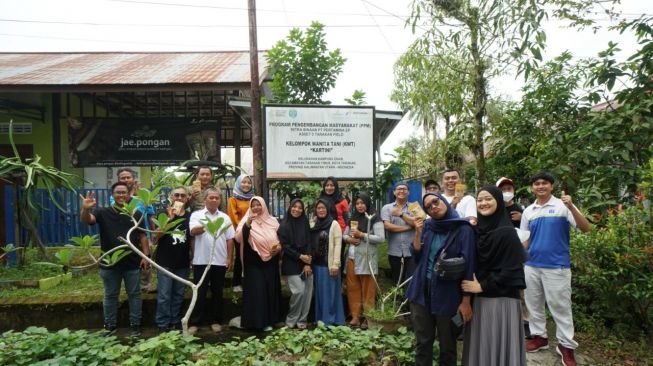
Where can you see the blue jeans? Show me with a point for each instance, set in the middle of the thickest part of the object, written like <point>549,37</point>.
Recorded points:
<point>169,297</point>
<point>112,278</point>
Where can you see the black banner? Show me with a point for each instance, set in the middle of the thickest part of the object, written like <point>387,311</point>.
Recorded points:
<point>139,142</point>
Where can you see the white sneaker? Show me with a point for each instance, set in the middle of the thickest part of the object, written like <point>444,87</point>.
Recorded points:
<point>267,329</point>
<point>216,327</point>
<point>192,330</point>
<point>237,289</point>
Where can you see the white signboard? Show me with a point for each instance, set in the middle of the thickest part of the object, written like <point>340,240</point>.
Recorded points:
<point>304,142</point>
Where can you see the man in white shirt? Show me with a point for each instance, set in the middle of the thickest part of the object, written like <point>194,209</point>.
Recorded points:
<point>464,205</point>
<point>216,253</point>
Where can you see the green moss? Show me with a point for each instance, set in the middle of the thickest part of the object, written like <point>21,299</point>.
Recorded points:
<point>29,272</point>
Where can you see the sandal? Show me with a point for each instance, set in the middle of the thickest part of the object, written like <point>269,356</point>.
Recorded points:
<point>364,324</point>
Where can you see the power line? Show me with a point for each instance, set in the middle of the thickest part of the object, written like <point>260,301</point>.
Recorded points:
<point>102,40</point>
<point>241,8</point>
<point>32,21</point>
<point>385,38</point>
<point>161,43</point>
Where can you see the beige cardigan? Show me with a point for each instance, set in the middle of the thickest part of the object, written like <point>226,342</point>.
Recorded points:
<point>335,245</point>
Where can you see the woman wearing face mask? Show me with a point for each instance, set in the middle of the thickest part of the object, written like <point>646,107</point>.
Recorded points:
<point>331,191</point>
<point>326,240</point>
<point>294,236</point>
<point>237,206</point>
<point>362,259</point>
<point>259,251</point>
<point>495,336</point>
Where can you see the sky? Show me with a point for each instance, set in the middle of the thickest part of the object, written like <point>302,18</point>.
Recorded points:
<point>370,33</point>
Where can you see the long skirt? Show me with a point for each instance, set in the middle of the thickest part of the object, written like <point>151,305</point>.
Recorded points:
<point>328,297</point>
<point>495,336</point>
<point>261,294</point>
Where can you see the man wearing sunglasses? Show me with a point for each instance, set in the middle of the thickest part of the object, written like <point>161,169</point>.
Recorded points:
<point>173,253</point>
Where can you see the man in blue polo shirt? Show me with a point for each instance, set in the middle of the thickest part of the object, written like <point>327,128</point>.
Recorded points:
<point>547,271</point>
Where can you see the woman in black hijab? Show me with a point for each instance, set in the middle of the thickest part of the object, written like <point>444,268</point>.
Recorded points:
<point>295,238</point>
<point>331,191</point>
<point>495,336</point>
<point>326,240</point>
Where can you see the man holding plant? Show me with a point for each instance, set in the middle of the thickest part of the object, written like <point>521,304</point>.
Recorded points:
<point>113,224</point>
<point>128,176</point>
<point>173,253</point>
<point>218,256</point>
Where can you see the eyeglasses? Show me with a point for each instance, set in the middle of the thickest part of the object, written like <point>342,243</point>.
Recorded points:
<point>401,189</point>
<point>179,195</point>
<point>434,203</point>
<point>120,193</point>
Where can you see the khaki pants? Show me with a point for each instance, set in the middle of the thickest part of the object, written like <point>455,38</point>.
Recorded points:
<point>361,291</point>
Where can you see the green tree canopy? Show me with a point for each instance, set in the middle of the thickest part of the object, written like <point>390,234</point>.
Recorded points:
<point>302,67</point>
<point>492,36</point>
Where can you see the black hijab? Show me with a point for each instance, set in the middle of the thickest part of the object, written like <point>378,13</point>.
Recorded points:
<point>499,218</point>
<point>498,246</point>
<point>369,209</point>
<point>324,223</point>
<point>294,231</point>
<point>336,196</point>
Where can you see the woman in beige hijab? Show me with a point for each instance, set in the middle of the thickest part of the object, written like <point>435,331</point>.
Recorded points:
<point>260,250</point>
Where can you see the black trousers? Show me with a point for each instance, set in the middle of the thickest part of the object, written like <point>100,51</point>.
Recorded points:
<point>395,268</point>
<point>425,325</point>
<point>215,281</point>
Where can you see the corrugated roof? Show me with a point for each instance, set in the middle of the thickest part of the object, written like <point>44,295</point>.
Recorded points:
<point>66,71</point>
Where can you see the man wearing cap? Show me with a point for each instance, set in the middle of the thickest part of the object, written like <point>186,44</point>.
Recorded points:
<point>400,226</point>
<point>514,210</point>
<point>465,205</point>
<point>547,271</point>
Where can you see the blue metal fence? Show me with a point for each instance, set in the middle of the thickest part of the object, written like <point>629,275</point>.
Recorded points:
<point>57,227</point>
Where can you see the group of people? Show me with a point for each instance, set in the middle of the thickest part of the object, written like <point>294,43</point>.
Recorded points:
<point>250,246</point>
<point>467,268</point>
<point>471,266</point>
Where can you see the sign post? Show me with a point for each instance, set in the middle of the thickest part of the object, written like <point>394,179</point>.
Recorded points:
<point>305,142</point>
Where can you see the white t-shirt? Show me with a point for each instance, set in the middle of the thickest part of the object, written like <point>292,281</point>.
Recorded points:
<point>466,207</point>
<point>204,241</point>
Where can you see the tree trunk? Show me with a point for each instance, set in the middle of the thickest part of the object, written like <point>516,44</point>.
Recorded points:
<point>479,97</point>
<point>34,233</point>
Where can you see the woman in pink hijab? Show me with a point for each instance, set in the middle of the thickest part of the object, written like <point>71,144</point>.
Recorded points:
<point>260,250</point>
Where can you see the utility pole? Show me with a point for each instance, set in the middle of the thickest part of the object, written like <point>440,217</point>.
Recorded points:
<point>257,151</point>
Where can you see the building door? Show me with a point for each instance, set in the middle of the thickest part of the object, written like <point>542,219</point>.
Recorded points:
<point>6,213</point>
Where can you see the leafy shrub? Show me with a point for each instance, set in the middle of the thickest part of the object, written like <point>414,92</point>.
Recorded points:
<point>613,272</point>
<point>321,346</point>
<point>37,346</point>
<point>171,348</point>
